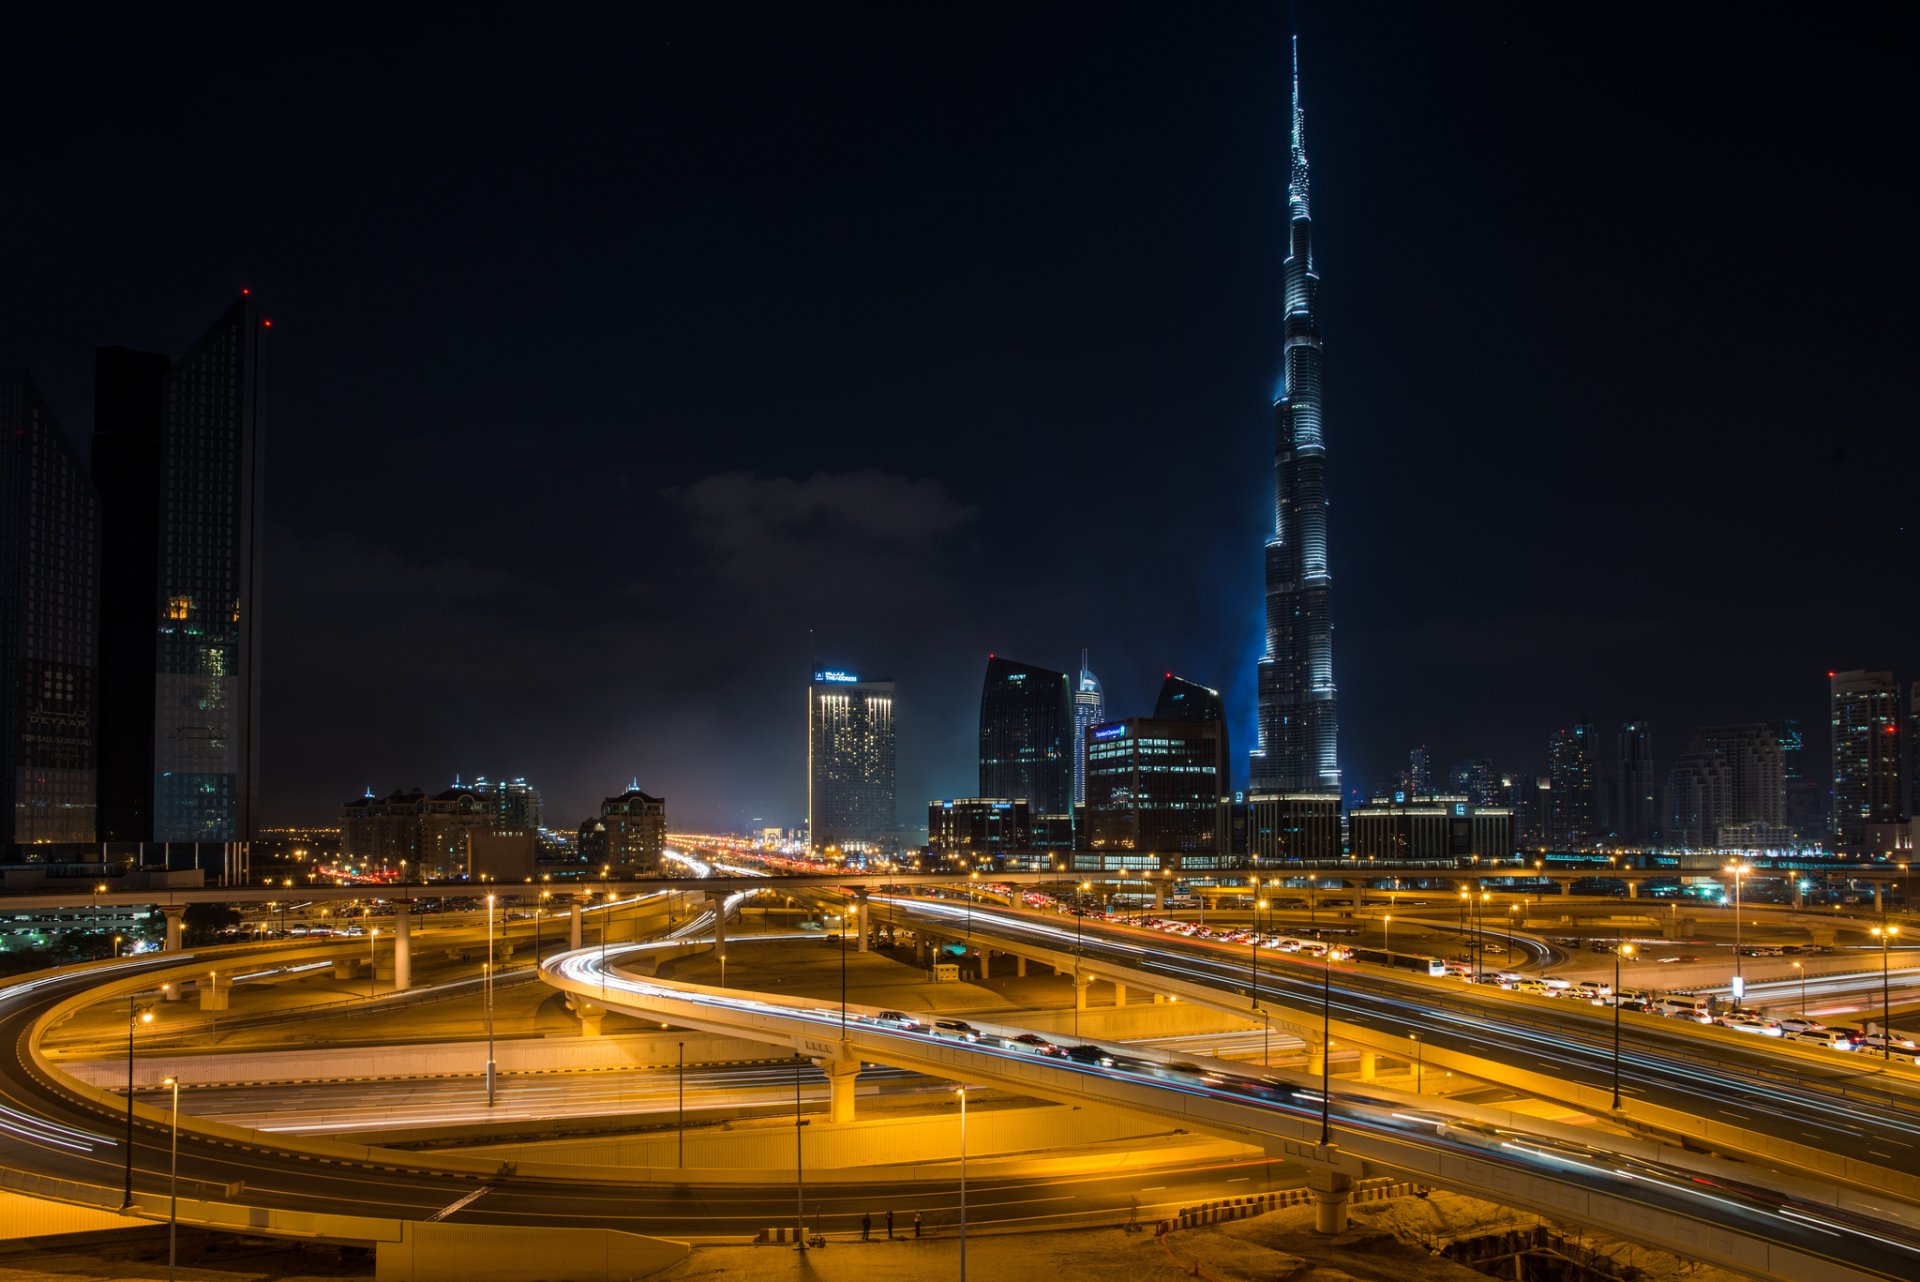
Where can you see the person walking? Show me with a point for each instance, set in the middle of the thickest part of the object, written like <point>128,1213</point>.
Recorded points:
<point>916,1224</point>
<point>889,1224</point>
<point>866,1227</point>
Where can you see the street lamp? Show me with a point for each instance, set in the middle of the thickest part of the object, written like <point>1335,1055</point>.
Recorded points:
<point>489,997</point>
<point>1886,935</point>
<point>1803,988</point>
<point>1312,908</point>
<point>98,890</point>
<point>962,1091</point>
<point>843,974</point>
<point>173,1182</point>
<point>1079,916</point>
<point>136,1014</point>
<point>1739,981</point>
<point>1628,950</point>
<point>799,1165</point>
<point>1387,933</point>
<point>682,1126</point>
<point>1418,1062</point>
<point>1326,1047</point>
<point>373,965</point>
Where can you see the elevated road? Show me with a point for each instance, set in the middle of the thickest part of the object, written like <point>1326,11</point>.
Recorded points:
<point>1845,1115</point>
<point>1702,1208</point>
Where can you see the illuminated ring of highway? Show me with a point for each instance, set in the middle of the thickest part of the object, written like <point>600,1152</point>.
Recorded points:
<point>1803,1235</point>
<point>65,1140</point>
<point>1818,1104</point>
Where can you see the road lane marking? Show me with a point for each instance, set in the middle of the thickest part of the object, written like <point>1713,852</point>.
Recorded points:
<point>474,1196</point>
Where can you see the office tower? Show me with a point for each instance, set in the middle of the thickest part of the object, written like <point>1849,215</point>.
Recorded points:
<point>1697,790</point>
<point>1531,799</point>
<point>1429,828</point>
<point>1636,817</point>
<point>1786,733</point>
<point>1419,773</point>
<point>178,464</point>
<point>1184,700</point>
<point>1475,780</point>
<point>1089,710</point>
<point>1153,787</point>
<point>967,829</point>
<point>1728,790</point>
<point>1297,721</point>
<point>515,803</point>
<point>1756,773</point>
<point>636,827</point>
<point>1026,729</point>
<point>49,595</point>
<point>850,762</point>
<point>1571,770</point>
<point>1865,719</point>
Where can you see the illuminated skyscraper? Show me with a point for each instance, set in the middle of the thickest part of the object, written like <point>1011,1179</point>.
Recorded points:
<point>1089,710</point>
<point>1297,720</point>
<point>49,595</point>
<point>1572,766</point>
<point>850,762</point>
<point>1866,757</point>
<point>1636,814</point>
<point>1026,724</point>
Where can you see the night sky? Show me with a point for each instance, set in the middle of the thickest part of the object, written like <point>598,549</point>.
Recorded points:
<point>608,360</point>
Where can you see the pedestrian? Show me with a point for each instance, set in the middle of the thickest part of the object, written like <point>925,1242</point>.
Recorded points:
<point>889,1224</point>
<point>866,1227</point>
<point>916,1224</point>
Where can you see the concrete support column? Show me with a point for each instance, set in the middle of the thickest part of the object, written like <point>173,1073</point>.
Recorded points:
<point>1879,896</point>
<point>719,901</point>
<point>1633,890</point>
<point>1080,983</point>
<point>1331,1191</point>
<point>215,992</point>
<point>1019,968</point>
<point>344,968</point>
<point>1119,993</point>
<point>591,1016</point>
<point>176,913</point>
<point>841,1076</point>
<point>1160,897</point>
<point>1369,1065</point>
<point>863,917</point>
<point>1566,889</point>
<point>1316,1058</point>
<point>986,963</point>
<point>574,927</point>
<point>402,948</point>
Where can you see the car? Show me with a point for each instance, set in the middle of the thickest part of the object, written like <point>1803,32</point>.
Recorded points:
<point>1592,988</point>
<point>1037,1044</point>
<point>959,1028</point>
<point>900,1019</point>
<point>1744,1024</point>
<point>1537,987</point>
<point>1090,1055</point>
<point>1641,1005</point>
<point>1801,1024</point>
<point>1873,1042</point>
<point>1830,1038</point>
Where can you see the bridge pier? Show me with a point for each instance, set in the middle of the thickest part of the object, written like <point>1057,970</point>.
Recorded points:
<point>841,1076</point>
<point>986,963</point>
<point>1160,897</point>
<point>402,948</point>
<point>1879,896</point>
<point>591,1015</point>
<point>1019,968</point>
<point>1080,984</point>
<point>1633,889</point>
<point>863,918</point>
<point>574,931</point>
<point>345,968</point>
<point>1331,1192</point>
<point>215,995</point>
<point>1369,1065</point>
<point>1316,1058</point>
<point>176,913</point>
<point>719,901</point>
<point>1119,994</point>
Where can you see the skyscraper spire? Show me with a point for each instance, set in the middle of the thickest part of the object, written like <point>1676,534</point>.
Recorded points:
<point>1297,721</point>
<point>1297,176</point>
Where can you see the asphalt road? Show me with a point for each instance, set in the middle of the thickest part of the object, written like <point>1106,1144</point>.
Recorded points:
<point>1850,1106</point>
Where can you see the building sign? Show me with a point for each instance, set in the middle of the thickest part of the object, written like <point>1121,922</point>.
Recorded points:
<point>1110,732</point>
<point>839,678</point>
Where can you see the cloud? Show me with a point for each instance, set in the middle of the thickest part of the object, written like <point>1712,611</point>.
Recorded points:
<point>750,521</point>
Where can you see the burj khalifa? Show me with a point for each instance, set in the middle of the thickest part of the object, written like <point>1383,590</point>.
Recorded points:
<point>1298,720</point>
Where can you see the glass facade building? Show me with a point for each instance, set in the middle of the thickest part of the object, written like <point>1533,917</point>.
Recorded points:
<point>1573,773</point>
<point>1026,736</point>
<point>1297,721</point>
<point>1089,710</point>
<point>49,597</point>
<point>850,762</point>
<point>1154,786</point>
<point>1865,716</point>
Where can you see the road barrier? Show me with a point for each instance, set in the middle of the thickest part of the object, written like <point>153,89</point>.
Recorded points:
<point>1240,1208</point>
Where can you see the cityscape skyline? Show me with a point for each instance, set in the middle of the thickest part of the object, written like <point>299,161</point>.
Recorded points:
<point>1502,575</point>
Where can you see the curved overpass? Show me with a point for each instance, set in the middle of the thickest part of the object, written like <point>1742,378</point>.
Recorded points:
<point>1703,1208</point>
<point>1838,1115</point>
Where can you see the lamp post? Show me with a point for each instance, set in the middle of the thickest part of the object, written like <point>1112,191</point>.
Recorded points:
<point>1803,988</point>
<point>799,1165</point>
<point>843,974</point>
<point>1079,916</point>
<point>1313,915</point>
<point>683,1106</point>
<point>1387,933</point>
<point>1628,950</point>
<point>1885,934</point>
<point>1739,981</point>
<point>173,1182</point>
<point>1418,1062</point>
<point>1326,1047</point>
<point>373,965</point>
<point>489,998</point>
<point>1254,969</point>
<point>98,890</point>
<point>963,1182</point>
<point>136,1014</point>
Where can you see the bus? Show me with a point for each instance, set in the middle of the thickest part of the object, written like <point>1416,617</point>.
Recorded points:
<point>1432,967</point>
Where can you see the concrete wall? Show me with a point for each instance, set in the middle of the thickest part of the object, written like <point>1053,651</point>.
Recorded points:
<point>439,1252</point>
<point>22,1216</point>
<point>769,1145</point>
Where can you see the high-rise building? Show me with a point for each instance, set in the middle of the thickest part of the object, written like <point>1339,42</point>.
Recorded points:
<point>1572,770</point>
<point>1297,720</point>
<point>1728,790</point>
<point>1636,816</point>
<point>1026,729</point>
<point>1429,827</point>
<point>1865,719</point>
<point>1697,791</point>
<point>1153,787</point>
<point>1184,700</point>
<point>636,827</point>
<point>1530,797</point>
<point>178,464</point>
<point>1420,772</point>
<point>1475,780</point>
<point>1089,710</point>
<point>850,762</point>
<point>49,596</point>
<point>977,828</point>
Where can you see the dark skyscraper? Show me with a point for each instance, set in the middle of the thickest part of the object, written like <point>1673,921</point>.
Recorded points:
<point>1089,710</point>
<point>1636,815</point>
<point>49,591</point>
<point>1153,787</point>
<point>1026,736</point>
<point>1571,769</point>
<point>1866,757</point>
<point>850,762</point>
<point>1297,720</point>
<point>1184,700</point>
<point>178,463</point>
